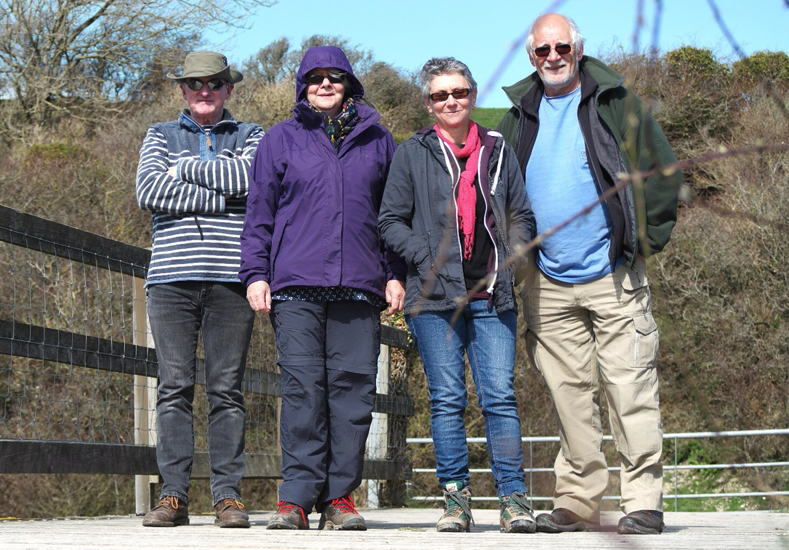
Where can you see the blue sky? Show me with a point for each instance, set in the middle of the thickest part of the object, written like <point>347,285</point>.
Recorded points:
<point>405,33</point>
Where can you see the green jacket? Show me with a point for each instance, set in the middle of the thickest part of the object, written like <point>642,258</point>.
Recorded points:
<point>621,137</point>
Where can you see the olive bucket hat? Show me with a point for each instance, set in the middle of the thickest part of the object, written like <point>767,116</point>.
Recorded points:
<point>204,64</point>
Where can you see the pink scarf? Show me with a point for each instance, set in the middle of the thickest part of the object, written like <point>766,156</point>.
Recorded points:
<point>467,195</point>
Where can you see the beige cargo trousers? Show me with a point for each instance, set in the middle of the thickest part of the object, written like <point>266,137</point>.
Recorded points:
<point>588,337</point>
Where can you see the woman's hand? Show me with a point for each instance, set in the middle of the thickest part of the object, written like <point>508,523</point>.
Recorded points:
<point>395,293</point>
<point>259,296</point>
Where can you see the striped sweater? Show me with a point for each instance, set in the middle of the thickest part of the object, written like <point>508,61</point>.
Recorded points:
<point>198,214</point>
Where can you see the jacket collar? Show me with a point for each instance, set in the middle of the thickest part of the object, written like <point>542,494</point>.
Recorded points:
<point>186,120</point>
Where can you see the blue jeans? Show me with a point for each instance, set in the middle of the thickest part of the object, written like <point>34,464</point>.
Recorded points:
<point>488,338</point>
<point>177,313</point>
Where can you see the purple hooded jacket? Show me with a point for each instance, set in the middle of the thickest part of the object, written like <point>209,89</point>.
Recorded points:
<point>312,213</point>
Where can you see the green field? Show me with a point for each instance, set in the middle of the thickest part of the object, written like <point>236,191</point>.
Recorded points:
<point>488,117</point>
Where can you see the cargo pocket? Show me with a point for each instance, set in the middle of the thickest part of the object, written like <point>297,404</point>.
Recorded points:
<point>645,342</point>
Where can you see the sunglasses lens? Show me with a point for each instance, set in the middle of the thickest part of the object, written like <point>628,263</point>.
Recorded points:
<point>460,94</point>
<point>439,96</point>
<point>193,84</point>
<point>315,79</point>
<point>545,51</point>
<point>215,85</point>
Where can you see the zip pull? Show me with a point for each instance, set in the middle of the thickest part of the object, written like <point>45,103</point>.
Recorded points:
<point>208,138</point>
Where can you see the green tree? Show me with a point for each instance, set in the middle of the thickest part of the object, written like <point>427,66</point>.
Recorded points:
<point>772,67</point>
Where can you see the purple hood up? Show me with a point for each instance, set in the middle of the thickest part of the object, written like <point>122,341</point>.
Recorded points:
<point>325,57</point>
<point>312,211</point>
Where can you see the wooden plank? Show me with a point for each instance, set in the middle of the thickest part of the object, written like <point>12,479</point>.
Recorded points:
<point>50,457</point>
<point>54,238</point>
<point>48,344</point>
<point>396,529</point>
<point>65,457</point>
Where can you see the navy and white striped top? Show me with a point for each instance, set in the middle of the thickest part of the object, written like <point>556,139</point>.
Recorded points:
<point>199,212</point>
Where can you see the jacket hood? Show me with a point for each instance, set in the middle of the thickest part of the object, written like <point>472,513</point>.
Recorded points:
<point>325,57</point>
<point>604,75</point>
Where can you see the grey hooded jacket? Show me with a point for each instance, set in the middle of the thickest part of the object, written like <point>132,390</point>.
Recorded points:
<point>418,219</point>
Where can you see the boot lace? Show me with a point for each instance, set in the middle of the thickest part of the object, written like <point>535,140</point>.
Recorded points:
<point>284,507</point>
<point>456,499</point>
<point>169,501</point>
<point>344,505</point>
<point>232,502</point>
<point>517,503</point>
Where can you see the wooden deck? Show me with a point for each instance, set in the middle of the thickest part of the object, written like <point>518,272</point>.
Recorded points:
<point>411,529</point>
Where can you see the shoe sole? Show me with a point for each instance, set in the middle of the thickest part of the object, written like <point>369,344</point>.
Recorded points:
<point>521,526</point>
<point>632,528</point>
<point>285,526</point>
<point>160,523</point>
<point>545,527</point>
<point>232,523</point>
<point>454,528</point>
<point>350,525</point>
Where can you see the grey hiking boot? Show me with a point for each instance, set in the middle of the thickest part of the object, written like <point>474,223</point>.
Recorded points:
<point>170,512</point>
<point>516,516</point>
<point>341,514</point>
<point>288,516</point>
<point>457,509</point>
<point>230,513</point>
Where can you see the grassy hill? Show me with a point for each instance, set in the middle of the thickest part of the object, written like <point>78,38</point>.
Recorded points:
<point>488,117</point>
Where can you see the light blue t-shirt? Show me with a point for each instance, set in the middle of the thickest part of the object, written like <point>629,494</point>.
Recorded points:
<point>559,183</point>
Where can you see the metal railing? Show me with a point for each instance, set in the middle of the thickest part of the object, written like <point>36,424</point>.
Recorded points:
<point>673,469</point>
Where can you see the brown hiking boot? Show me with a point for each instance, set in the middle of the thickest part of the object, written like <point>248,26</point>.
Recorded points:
<point>288,516</point>
<point>563,520</point>
<point>340,514</point>
<point>170,512</point>
<point>457,509</point>
<point>230,513</point>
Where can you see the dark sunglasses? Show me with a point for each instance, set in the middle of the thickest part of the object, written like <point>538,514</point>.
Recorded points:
<point>443,96</point>
<point>197,85</point>
<point>545,51</point>
<point>334,78</point>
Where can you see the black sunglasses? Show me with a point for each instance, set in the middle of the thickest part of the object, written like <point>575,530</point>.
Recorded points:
<point>545,51</point>
<point>197,85</point>
<point>334,78</point>
<point>443,96</point>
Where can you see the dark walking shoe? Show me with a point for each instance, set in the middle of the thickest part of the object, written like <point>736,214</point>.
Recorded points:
<point>457,509</point>
<point>340,514</point>
<point>288,516</point>
<point>516,516</point>
<point>643,522</point>
<point>230,513</point>
<point>170,512</point>
<point>563,520</point>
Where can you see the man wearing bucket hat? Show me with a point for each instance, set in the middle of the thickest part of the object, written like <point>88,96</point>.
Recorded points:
<point>193,177</point>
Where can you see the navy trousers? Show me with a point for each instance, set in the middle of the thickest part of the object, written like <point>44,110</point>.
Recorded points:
<point>328,359</point>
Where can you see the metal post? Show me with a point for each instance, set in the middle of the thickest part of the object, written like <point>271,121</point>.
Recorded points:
<point>144,399</point>
<point>378,440</point>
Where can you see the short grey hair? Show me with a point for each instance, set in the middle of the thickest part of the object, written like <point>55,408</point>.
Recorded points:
<point>444,65</point>
<point>575,35</point>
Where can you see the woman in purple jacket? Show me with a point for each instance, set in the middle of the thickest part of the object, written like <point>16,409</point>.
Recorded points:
<point>312,258</point>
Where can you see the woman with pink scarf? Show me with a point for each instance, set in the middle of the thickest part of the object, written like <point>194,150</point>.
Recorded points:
<point>455,209</point>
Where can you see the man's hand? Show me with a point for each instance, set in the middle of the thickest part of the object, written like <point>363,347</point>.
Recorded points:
<point>259,296</point>
<point>173,171</point>
<point>395,294</point>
